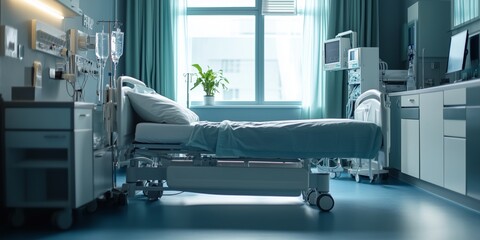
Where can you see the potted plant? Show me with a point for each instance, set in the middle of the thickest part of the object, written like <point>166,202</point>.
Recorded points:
<point>211,81</point>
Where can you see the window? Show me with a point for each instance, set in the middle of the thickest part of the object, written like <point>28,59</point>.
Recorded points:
<point>260,55</point>
<point>283,45</point>
<point>464,11</point>
<point>225,42</point>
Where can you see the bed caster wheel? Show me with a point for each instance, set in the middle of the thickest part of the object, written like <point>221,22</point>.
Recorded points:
<point>325,202</point>
<point>154,195</point>
<point>62,219</point>
<point>150,194</point>
<point>17,217</point>
<point>311,197</point>
<point>304,195</point>
<point>357,178</point>
<point>373,178</point>
<point>333,175</point>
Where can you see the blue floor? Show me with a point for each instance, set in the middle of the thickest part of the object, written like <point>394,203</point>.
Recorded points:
<point>387,210</point>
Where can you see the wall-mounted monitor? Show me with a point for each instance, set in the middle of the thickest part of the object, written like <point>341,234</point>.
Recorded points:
<point>335,54</point>
<point>458,52</point>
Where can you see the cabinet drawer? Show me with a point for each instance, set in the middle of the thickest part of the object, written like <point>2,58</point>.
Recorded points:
<point>34,139</point>
<point>410,113</point>
<point>83,119</point>
<point>38,118</point>
<point>454,128</point>
<point>410,101</point>
<point>455,97</point>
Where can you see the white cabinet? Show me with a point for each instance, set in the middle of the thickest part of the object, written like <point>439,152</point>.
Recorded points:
<point>431,137</point>
<point>410,151</point>
<point>439,136</point>
<point>455,142</point>
<point>48,157</point>
<point>455,164</point>
<point>410,139</point>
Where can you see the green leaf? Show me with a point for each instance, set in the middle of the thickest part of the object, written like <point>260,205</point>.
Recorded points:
<point>210,80</point>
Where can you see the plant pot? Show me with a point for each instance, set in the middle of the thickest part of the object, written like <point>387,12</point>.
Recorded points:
<point>208,100</point>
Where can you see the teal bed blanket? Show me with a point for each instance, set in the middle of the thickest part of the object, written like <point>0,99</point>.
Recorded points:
<point>340,138</point>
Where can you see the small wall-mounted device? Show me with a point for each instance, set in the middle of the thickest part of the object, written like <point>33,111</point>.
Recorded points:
<point>9,41</point>
<point>37,74</point>
<point>78,41</point>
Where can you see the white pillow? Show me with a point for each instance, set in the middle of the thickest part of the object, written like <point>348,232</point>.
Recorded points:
<point>156,108</point>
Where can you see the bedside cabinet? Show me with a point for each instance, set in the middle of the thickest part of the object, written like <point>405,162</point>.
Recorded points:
<point>48,158</point>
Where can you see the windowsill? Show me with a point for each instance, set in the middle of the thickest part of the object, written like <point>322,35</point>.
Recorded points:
<point>246,106</point>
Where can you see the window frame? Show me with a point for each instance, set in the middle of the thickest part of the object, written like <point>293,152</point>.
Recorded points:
<point>259,52</point>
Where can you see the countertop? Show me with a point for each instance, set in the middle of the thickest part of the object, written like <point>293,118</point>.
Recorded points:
<point>464,84</point>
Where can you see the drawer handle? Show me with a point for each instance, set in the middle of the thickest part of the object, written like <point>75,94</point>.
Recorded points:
<point>84,115</point>
<point>54,136</point>
<point>411,100</point>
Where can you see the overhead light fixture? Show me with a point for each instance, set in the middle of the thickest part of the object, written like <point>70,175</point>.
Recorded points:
<point>46,8</point>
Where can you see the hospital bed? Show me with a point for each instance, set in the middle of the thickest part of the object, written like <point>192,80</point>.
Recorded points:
<point>240,158</point>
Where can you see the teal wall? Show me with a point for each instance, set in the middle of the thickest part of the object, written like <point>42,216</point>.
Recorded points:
<point>14,72</point>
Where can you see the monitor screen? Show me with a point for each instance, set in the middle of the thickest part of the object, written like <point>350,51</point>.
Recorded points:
<point>458,52</point>
<point>332,53</point>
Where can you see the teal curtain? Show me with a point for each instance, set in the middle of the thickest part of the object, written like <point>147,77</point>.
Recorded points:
<point>326,95</point>
<point>314,34</point>
<point>360,16</point>
<point>153,29</point>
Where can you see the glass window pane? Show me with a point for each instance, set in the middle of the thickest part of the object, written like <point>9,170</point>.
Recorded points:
<point>465,10</point>
<point>227,43</point>
<point>283,48</point>
<point>220,3</point>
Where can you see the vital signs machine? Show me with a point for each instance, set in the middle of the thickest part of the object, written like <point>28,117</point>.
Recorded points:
<point>362,63</point>
<point>363,73</point>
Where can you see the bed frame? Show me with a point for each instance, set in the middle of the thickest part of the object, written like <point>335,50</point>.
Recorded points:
<point>154,168</point>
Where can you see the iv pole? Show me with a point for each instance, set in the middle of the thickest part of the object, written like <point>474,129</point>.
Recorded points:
<point>109,105</point>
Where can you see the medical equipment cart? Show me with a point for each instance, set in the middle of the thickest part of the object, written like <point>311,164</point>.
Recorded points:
<point>49,160</point>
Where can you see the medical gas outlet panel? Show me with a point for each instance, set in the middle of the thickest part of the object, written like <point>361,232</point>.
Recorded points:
<point>47,39</point>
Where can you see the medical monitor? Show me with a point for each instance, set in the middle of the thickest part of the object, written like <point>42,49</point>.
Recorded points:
<point>335,53</point>
<point>458,52</point>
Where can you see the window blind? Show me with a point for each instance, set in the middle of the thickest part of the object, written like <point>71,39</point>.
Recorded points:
<point>465,10</point>
<point>279,7</point>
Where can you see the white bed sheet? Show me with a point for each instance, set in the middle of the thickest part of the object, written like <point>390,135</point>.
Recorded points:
<point>163,133</point>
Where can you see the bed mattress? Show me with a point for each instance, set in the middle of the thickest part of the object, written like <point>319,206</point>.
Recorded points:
<point>276,139</point>
<point>162,133</point>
